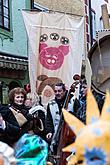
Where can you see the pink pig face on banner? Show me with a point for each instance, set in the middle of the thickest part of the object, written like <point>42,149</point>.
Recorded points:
<point>50,57</point>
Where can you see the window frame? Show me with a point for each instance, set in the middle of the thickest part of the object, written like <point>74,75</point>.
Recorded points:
<point>4,16</point>
<point>5,33</point>
<point>38,7</point>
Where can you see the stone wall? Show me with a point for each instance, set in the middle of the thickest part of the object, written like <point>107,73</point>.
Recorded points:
<point>67,6</point>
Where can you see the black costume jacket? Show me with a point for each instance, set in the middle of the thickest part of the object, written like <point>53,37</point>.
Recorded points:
<point>13,131</point>
<point>49,120</point>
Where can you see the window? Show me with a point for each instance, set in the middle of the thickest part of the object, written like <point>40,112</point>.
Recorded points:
<point>38,7</point>
<point>93,24</point>
<point>4,14</point>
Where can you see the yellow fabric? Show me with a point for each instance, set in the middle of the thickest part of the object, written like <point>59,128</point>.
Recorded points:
<point>92,111</point>
<point>106,108</point>
<point>72,159</point>
<point>92,144</point>
<point>75,124</point>
<point>69,148</point>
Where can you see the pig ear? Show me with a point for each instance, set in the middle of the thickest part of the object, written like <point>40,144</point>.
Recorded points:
<point>64,49</point>
<point>42,46</point>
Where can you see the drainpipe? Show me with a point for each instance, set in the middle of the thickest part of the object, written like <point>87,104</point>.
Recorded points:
<point>1,93</point>
<point>32,4</point>
<point>90,23</point>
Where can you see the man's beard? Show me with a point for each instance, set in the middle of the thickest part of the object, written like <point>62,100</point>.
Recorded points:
<point>61,100</point>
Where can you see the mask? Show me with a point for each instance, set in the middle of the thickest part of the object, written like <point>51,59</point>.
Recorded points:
<point>92,144</point>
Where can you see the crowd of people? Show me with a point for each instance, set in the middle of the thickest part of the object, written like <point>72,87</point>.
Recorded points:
<point>22,119</point>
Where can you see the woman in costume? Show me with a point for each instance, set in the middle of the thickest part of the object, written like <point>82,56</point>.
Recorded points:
<point>14,118</point>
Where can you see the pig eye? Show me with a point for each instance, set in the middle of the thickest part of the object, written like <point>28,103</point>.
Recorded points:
<point>43,38</point>
<point>64,40</point>
<point>54,36</point>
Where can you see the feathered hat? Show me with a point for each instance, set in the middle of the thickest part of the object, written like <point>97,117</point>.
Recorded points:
<point>92,144</point>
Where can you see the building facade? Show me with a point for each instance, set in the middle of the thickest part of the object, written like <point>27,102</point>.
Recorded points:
<point>66,6</point>
<point>94,22</point>
<point>97,8</point>
<point>13,46</point>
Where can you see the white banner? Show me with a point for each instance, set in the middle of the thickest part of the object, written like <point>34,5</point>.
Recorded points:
<point>56,43</point>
